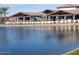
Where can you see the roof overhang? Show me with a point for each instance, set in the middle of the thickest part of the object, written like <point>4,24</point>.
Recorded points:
<point>60,12</point>
<point>69,6</point>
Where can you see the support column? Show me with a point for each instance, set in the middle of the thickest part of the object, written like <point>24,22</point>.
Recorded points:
<point>73,17</point>
<point>44,17</point>
<point>17,19</point>
<point>30,18</point>
<point>65,17</point>
<point>23,19</point>
<point>56,17</point>
<point>49,18</point>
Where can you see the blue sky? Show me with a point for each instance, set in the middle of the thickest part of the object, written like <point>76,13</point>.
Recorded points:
<point>14,8</point>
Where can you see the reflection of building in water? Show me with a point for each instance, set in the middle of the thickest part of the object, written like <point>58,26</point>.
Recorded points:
<point>68,34</point>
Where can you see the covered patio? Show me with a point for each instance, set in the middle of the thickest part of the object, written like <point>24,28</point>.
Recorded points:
<point>23,17</point>
<point>63,15</point>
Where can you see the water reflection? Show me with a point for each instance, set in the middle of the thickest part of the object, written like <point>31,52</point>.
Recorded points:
<point>3,39</point>
<point>63,33</point>
<point>39,40</point>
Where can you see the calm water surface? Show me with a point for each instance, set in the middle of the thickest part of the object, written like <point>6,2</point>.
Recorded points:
<point>38,40</point>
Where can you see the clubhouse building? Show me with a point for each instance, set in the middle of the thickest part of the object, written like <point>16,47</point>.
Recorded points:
<point>68,12</point>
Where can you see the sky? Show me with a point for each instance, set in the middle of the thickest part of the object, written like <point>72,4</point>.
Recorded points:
<point>14,8</point>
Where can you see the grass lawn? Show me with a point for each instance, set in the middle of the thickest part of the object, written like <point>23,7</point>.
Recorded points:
<point>73,52</point>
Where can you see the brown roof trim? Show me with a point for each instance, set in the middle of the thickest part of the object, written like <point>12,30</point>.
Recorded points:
<point>29,14</point>
<point>16,13</point>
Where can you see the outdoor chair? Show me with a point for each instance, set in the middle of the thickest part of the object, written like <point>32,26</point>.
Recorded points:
<point>78,20</point>
<point>16,22</point>
<point>23,22</point>
<point>26,22</point>
<point>69,20</point>
<point>7,23</point>
<point>65,21</point>
<point>13,22</point>
<point>49,22</point>
<point>56,22</point>
<point>74,21</point>
<point>61,21</point>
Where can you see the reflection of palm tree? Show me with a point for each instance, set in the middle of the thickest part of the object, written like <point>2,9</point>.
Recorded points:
<point>21,33</point>
<point>3,36</point>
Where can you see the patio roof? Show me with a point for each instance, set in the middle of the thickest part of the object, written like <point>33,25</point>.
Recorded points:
<point>74,12</point>
<point>68,6</point>
<point>27,14</point>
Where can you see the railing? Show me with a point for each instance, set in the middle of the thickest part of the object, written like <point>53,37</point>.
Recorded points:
<point>69,21</point>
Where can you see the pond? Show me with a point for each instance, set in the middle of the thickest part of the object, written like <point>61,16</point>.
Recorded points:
<point>48,40</point>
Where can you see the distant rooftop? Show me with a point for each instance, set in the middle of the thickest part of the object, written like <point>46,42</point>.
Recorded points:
<point>68,6</point>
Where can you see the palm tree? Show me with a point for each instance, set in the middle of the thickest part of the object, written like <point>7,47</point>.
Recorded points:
<point>47,11</point>
<point>3,12</point>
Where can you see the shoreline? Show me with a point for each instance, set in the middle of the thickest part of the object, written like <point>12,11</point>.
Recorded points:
<point>35,25</point>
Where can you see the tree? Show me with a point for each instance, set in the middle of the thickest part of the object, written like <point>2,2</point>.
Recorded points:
<point>47,11</point>
<point>3,12</point>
